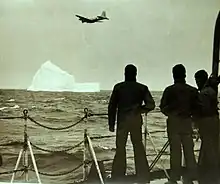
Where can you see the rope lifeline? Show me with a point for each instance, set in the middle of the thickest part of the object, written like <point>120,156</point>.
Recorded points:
<point>58,174</point>
<point>13,117</point>
<point>57,151</point>
<point>53,128</point>
<point>12,171</point>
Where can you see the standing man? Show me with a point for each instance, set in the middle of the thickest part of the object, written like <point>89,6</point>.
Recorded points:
<point>178,103</point>
<point>208,124</point>
<point>126,102</point>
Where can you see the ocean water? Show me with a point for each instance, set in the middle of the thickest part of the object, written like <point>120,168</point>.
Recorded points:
<point>60,110</point>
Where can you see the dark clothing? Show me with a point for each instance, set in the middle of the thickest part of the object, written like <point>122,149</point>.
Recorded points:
<point>208,156</point>
<point>179,99</point>
<point>119,163</point>
<point>208,124</point>
<point>208,102</point>
<point>126,102</point>
<point>176,138</point>
<point>179,102</point>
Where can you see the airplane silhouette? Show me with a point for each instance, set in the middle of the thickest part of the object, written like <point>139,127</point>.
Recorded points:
<point>93,20</point>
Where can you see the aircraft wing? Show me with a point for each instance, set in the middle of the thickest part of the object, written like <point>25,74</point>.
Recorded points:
<point>82,18</point>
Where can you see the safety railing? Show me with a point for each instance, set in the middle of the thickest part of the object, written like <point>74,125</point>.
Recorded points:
<point>27,144</point>
<point>88,147</point>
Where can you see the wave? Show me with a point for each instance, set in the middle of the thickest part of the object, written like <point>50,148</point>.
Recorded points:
<point>12,143</point>
<point>13,107</point>
<point>51,100</point>
<point>46,108</point>
<point>57,110</point>
<point>54,100</point>
<point>11,100</point>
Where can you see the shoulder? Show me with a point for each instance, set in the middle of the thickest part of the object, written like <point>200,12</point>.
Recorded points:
<point>208,91</point>
<point>169,88</point>
<point>191,88</point>
<point>142,86</point>
<point>118,85</point>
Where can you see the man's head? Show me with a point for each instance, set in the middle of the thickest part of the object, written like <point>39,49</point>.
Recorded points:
<point>179,72</point>
<point>130,72</point>
<point>201,77</point>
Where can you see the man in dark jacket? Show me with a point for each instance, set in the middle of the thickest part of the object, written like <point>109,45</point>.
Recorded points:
<point>178,103</point>
<point>208,123</point>
<point>126,102</point>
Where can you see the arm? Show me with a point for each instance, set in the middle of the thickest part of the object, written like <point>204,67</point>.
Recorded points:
<point>112,108</point>
<point>195,106</point>
<point>164,106</point>
<point>149,103</point>
<point>206,98</point>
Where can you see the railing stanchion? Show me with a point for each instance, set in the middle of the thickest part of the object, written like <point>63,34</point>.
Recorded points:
<point>154,147</point>
<point>92,152</point>
<point>24,152</point>
<point>85,159</point>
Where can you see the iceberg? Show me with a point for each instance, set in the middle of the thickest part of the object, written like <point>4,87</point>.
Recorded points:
<point>50,77</point>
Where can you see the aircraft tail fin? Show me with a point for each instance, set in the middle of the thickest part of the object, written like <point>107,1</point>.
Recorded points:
<point>103,14</point>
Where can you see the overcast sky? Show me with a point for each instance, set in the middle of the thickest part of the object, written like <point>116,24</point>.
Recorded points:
<point>152,34</point>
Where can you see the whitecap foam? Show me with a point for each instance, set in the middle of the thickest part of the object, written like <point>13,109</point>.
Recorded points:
<point>11,100</point>
<point>59,99</point>
<point>14,107</point>
<point>2,108</point>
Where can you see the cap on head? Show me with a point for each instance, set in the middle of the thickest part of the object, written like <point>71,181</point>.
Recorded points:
<point>130,72</point>
<point>179,71</point>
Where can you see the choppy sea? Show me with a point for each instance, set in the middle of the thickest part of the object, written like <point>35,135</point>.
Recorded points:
<point>61,109</point>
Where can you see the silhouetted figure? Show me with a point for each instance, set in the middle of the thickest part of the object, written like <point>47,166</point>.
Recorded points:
<point>208,123</point>
<point>126,101</point>
<point>178,103</point>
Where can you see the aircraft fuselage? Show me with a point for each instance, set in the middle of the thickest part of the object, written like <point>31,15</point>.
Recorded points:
<point>93,20</point>
<point>90,21</point>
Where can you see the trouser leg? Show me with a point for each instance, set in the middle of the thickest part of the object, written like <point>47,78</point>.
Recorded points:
<point>175,156</point>
<point>209,152</point>
<point>209,159</point>
<point>119,163</point>
<point>191,166</point>
<point>141,163</point>
<point>201,163</point>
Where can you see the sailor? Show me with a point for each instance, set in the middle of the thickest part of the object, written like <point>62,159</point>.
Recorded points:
<point>178,103</point>
<point>126,102</point>
<point>208,123</point>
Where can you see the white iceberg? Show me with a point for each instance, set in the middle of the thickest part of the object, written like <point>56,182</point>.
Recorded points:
<point>50,77</point>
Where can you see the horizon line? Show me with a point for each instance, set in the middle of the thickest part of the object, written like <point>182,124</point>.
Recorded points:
<point>23,89</point>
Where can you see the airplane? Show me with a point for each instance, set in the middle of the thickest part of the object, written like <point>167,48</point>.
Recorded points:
<point>93,20</point>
